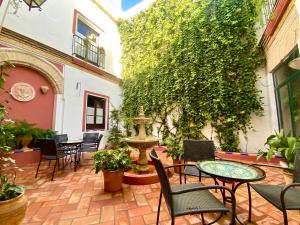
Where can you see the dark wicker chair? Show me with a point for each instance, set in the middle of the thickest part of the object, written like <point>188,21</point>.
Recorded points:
<point>48,150</point>
<point>195,150</point>
<point>282,197</point>
<point>185,199</point>
<point>91,142</point>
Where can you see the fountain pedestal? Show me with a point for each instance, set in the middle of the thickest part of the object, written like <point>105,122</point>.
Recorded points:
<point>142,142</point>
<point>142,145</point>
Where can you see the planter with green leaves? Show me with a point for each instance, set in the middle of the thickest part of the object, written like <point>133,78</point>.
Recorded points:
<point>113,163</point>
<point>285,146</point>
<point>26,134</point>
<point>175,151</point>
<point>13,202</point>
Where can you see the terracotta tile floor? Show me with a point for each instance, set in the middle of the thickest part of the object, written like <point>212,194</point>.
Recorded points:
<point>78,198</point>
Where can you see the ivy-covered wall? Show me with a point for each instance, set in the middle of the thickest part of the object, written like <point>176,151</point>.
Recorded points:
<point>193,63</point>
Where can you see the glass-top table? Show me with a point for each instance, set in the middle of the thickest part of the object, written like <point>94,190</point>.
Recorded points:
<point>233,172</point>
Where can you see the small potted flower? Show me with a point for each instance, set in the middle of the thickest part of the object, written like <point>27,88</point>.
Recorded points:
<point>112,163</point>
<point>175,151</point>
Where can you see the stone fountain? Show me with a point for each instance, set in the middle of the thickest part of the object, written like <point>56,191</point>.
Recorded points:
<point>142,142</point>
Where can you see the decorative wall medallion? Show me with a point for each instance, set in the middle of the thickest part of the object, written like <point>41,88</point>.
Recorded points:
<point>22,92</point>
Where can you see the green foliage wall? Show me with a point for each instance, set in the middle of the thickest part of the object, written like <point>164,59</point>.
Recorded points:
<point>193,62</point>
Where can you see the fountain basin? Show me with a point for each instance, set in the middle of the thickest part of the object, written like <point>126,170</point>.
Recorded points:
<point>142,143</point>
<point>135,178</point>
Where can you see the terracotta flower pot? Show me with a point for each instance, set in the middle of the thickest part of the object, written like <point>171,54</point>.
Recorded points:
<point>113,180</point>
<point>13,211</point>
<point>177,169</point>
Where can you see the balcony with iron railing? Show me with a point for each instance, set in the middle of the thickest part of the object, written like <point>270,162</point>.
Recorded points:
<point>88,51</point>
<point>271,13</point>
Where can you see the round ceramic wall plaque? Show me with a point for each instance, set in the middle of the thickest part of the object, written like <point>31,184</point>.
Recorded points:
<point>22,92</point>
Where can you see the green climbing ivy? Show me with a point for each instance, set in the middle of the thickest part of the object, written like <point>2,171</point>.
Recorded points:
<point>191,64</point>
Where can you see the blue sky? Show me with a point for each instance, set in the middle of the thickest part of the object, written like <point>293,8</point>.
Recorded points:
<point>127,4</point>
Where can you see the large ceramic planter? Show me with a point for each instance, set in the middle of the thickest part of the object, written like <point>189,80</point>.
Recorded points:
<point>13,211</point>
<point>113,180</point>
<point>25,140</point>
<point>177,169</point>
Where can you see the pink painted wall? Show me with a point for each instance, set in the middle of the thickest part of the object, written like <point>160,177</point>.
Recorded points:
<point>39,110</point>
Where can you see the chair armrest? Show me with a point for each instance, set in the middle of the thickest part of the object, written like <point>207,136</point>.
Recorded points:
<point>178,165</point>
<point>203,188</point>
<point>271,165</point>
<point>289,186</point>
<point>285,189</point>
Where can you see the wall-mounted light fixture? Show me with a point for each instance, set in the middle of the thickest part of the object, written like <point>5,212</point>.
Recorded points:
<point>44,89</point>
<point>295,63</point>
<point>34,3</point>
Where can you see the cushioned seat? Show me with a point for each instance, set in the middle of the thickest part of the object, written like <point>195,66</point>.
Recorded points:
<point>191,202</point>
<point>282,197</point>
<point>272,194</point>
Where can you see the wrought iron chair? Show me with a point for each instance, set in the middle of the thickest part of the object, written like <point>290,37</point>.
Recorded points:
<point>195,150</point>
<point>48,149</point>
<point>282,197</point>
<point>67,150</point>
<point>187,199</point>
<point>91,142</point>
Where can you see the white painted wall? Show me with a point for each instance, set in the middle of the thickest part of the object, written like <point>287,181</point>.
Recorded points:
<point>74,99</point>
<point>262,126</point>
<point>53,26</point>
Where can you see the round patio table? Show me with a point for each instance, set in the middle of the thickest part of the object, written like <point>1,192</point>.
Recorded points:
<point>75,145</point>
<point>233,172</point>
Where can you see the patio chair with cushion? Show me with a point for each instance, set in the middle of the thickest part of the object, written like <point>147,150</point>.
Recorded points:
<point>282,197</point>
<point>48,150</point>
<point>185,199</point>
<point>195,150</point>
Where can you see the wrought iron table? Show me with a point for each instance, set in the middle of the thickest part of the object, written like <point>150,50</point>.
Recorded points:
<point>74,145</point>
<point>233,172</point>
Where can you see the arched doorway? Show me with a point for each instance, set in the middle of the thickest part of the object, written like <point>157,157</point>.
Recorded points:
<point>38,110</point>
<point>32,88</point>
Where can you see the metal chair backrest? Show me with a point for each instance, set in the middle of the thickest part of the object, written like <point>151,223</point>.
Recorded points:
<point>297,167</point>
<point>60,138</point>
<point>90,137</point>
<point>47,147</point>
<point>195,150</point>
<point>99,139</point>
<point>163,179</point>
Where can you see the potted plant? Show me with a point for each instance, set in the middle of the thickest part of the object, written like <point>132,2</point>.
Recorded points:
<point>113,163</point>
<point>23,132</point>
<point>27,134</point>
<point>13,202</point>
<point>175,151</point>
<point>285,146</point>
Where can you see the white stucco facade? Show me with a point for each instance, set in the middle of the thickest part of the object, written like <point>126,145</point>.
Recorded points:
<point>54,28</point>
<point>51,28</point>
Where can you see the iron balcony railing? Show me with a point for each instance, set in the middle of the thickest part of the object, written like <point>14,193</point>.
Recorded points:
<point>88,51</point>
<point>268,9</point>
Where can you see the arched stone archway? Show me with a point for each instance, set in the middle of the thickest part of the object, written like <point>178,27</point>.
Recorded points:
<point>48,70</point>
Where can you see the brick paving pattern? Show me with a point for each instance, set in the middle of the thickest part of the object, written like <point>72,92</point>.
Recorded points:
<point>78,198</point>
